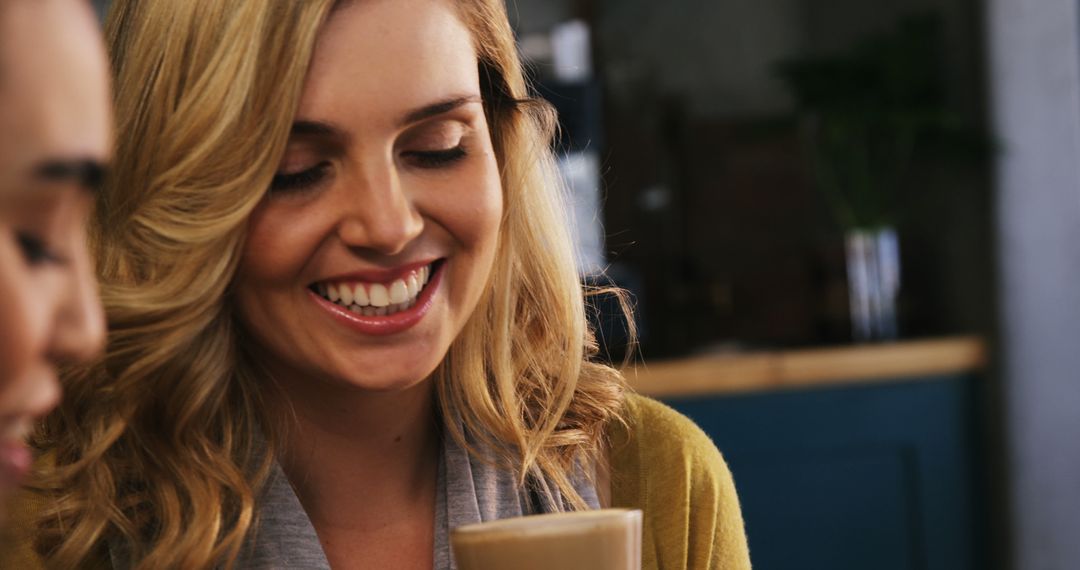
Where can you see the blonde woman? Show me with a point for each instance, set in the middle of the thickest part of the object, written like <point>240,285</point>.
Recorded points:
<point>344,314</point>
<point>54,139</point>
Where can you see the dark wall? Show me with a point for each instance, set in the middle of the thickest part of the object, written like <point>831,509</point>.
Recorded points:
<point>710,194</point>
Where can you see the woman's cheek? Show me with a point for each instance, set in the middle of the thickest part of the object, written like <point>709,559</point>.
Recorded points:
<point>24,309</point>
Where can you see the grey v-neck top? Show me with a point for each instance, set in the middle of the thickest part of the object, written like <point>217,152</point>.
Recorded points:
<point>469,490</point>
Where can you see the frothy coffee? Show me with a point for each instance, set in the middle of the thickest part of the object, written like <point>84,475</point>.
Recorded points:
<point>608,539</point>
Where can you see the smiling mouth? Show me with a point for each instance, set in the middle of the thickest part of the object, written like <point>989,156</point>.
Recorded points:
<point>15,455</point>
<point>378,299</point>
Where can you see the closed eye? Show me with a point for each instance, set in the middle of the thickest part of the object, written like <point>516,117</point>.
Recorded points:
<point>294,181</point>
<point>36,251</point>
<point>435,158</point>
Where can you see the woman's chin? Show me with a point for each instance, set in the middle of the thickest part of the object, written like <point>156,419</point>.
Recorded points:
<point>386,383</point>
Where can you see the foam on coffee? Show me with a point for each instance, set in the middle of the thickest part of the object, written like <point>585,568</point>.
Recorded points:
<point>595,540</point>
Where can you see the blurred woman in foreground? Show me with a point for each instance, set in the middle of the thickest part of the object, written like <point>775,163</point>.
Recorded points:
<point>54,138</point>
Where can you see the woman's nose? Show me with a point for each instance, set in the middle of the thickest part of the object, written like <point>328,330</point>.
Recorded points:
<point>379,214</point>
<point>79,327</point>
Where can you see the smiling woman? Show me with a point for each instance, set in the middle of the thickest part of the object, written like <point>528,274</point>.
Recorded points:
<point>383,183</point>
<point>344,313</point>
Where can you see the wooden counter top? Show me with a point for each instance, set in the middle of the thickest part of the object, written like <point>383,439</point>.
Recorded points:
<point>765,371</point>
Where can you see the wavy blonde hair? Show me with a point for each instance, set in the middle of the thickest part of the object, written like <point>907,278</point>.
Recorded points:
<point>156,446</point>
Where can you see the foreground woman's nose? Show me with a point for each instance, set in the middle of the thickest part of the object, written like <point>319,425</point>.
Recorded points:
<point>79,327</point>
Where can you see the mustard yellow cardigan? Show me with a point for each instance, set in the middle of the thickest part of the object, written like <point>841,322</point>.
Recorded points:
<point>661,463</point>
<point>666,466</point>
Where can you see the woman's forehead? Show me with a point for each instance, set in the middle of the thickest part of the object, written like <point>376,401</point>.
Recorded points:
<point>376,59</point>
<point>54,95</point>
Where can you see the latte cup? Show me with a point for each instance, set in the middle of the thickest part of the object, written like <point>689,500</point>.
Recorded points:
<point>606,539</point>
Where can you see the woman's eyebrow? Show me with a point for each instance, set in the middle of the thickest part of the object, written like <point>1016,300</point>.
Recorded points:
<point>438,108</point>
<point>85,172</point>
<point>319,130</point>
<point>323,129</point>
<point>316,128</point>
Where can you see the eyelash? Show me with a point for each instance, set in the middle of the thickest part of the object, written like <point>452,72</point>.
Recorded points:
<point>436,158</point>
<point>36,251</point>
<point>300,180</point>
<point>426,159</point>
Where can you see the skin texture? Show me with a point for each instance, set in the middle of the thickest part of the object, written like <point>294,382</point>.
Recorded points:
<point>378,205</point>
<point>54,109</point>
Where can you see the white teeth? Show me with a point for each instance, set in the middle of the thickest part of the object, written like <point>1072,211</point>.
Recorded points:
<point>382,311</point>
<point>360,296</point>
<point>376,299</point>
<point>378,295</point>
<point>346,293</point>
<point>399,292</point>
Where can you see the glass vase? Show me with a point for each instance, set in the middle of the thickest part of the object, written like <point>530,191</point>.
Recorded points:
<point>873,271</point>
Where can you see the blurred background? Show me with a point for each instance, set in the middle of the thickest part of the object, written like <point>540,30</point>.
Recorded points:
<point>734,163</point>
<point>850,229</point>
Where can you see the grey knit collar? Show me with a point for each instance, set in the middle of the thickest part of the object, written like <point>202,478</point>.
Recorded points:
<point>469,490</point>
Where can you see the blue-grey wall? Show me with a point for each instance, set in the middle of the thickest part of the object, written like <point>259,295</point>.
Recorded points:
<point>101,6</point>
<point>1035,79</point>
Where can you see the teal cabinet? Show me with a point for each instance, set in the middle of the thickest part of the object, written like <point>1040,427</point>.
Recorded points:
<point>870,477</point>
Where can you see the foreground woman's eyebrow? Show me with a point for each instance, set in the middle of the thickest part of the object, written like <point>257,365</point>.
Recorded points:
<point>85,172</point>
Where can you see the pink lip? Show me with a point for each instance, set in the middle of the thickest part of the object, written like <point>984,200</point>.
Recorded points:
<point>15,462</point>
<point>378,275</point>
<point>389,324</point>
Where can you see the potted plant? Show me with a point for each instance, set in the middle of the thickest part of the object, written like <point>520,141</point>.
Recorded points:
<point>865,113</point>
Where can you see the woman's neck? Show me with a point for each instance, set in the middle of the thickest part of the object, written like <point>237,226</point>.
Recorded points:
<point>362,462</point>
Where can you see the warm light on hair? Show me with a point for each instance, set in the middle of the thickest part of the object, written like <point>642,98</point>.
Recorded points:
<point>156,446</point>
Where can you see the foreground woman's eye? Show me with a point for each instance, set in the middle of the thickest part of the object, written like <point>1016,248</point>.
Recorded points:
<point>36,251</point>
<point>284,182</point>
<point>434,158</point>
